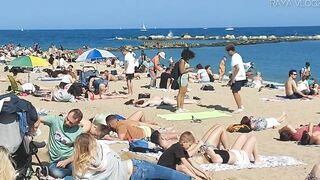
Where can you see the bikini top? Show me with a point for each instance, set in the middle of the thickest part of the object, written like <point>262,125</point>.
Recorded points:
<point>224,155</point>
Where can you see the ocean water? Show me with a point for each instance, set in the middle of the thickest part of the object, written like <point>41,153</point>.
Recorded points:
<point>273,60</point>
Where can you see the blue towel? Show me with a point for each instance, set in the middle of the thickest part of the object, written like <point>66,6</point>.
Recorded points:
<point>23,123</point>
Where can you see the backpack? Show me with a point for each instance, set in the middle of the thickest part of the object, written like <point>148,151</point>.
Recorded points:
<point>142,145</point>
<point>175,74</point>
<point>207,87</point>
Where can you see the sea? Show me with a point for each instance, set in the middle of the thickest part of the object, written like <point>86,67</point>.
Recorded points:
<point>273,60</point>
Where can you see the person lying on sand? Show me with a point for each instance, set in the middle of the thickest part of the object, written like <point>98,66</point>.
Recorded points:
<point>315,173</point>
<point>215,137</point>
<point>157,101</point>
<point>240,153</point>
<point>130,129</point>
<point>288,133</point>
<point>112,95</point>
<point>259,123</point>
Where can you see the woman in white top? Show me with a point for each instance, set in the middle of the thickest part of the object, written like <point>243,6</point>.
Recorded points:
<point>202,74</point>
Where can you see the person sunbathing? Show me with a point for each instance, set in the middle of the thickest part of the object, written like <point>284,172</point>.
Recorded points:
<point>157,101</point>
<point>113,95</point>
<point>214,137</point>
<point>243,148</point>
<point>129,129</point>
<point>288,133</point>
<point>261,123</point>
<point>310,137</point>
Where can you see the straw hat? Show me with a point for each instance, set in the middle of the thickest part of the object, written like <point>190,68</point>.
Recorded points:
<point>162,55</point>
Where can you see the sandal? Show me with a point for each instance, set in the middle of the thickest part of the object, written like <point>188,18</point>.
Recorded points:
<point>194,120</point>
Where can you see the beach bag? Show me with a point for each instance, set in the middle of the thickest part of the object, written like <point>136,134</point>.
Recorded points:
<point>175,74</point>
<point>207,88</point>
<point>144,96</point>
<point>143,146</point>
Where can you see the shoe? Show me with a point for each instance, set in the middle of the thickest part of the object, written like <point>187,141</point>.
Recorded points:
<point>242,107</point>
<point>238,110</point>
<point>179,110</point>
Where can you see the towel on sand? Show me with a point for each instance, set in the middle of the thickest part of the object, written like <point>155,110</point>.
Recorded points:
<point>196,115</point>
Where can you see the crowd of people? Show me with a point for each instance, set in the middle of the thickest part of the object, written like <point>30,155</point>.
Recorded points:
<point>78,148</point>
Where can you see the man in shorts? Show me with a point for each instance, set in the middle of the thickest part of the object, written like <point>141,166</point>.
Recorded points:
<point>238,76</point>
<point>129,68</point>
<point>291,88</point>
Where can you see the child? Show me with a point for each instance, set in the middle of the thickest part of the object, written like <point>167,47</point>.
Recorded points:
<point>177,157</point>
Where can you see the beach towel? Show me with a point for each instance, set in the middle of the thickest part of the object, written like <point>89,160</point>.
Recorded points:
<point>266,162</point>
<point>49,79</point>
<point>196,115</point>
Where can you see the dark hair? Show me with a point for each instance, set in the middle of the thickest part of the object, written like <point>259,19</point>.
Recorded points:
<point>285,136</point>
<point>139,102</point>
<point>292,71</point>
<point>187,54</point>
<point>207,66</point>
<point>199,66</point>
<point>110,118</point>
<point>167,69</point>
<point>246,121</point>
<point>14,71</point>
<point>155,137</point>
<point>77,114</point>
<point>230,47</point>
<point>307,64</point>
<point>129,102</point>
<point>305,138</point>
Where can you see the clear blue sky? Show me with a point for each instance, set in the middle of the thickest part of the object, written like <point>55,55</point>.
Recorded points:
<point>109,14</point>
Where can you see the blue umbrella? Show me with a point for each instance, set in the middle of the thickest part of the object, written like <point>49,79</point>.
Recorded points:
<point>95,55</point>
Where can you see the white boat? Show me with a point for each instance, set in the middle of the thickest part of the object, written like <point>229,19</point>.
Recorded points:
<point>229,29</point>
<point>143,28</point>
<point>119,38</point>
<point>21,29</point>
<point>170,34</point>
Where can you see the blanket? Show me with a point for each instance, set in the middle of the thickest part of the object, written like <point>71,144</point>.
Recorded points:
<point>266,162</point>
<point>191,115</point>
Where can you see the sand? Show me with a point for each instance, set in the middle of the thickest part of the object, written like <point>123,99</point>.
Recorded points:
<point>299,112</point>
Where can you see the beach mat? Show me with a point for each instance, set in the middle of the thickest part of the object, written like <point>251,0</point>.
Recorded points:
<point>266,162</point>
<point>196,115</point>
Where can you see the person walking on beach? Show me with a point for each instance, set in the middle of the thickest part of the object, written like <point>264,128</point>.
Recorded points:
<point>184,69</point>
<point>156,69</point>
<point>222,68</point>
<point>238,76</point>
<point>129,68</point>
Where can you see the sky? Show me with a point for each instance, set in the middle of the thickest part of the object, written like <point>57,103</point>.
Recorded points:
<point>127,14</point>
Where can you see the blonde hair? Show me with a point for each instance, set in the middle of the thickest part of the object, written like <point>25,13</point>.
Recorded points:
<point>187,137</point>
<point>7,170</point>
<point>85,152</point>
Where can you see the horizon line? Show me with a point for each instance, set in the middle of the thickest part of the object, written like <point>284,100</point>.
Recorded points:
<point>16,29</point>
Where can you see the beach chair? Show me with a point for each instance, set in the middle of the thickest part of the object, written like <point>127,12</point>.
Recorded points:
<point>15,87</point>
<point>86,73</point>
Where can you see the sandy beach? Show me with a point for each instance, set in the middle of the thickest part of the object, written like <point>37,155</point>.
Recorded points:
<point>298,111</point>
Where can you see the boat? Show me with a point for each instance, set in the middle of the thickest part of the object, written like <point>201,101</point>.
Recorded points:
<point>119,38</point>
<point>229,29</point>
<point>143,28</point>
<point>21,29</point>
<point>170,34</point>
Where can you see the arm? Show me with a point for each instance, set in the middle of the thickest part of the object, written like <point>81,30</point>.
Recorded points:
<point>310,128</point>
<point>235,72</point>
<point>287,128</point>
<point>182,68</point>
<point>64,163</point>
<point>169,81</point>
<point>195,171</point>
<point>295,89</point>
<point>194,148</point>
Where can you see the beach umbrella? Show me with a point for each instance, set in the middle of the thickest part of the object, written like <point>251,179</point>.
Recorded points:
<point>95,55</point>
<point>29,61</point>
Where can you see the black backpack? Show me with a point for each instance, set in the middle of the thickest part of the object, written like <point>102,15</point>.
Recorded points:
<point>175,74</point>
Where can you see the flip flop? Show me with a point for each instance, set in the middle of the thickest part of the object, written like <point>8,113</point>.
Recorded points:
<point>194,120</point>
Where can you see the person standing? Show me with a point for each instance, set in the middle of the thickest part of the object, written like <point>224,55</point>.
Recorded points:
<point>129,68</point>
<point>222,68</point>
<point>184,69</point>
<point>156,69</point>
<point>238,76</point>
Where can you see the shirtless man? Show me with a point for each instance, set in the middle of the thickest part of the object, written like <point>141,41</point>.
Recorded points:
<point>292,91</point>
<point>109,76</point>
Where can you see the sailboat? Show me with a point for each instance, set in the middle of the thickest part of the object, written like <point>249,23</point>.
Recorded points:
<point>143,28</point>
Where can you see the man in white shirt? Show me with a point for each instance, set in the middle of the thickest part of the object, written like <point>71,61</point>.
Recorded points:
<point>129,68</point>
<point>238,77</point>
